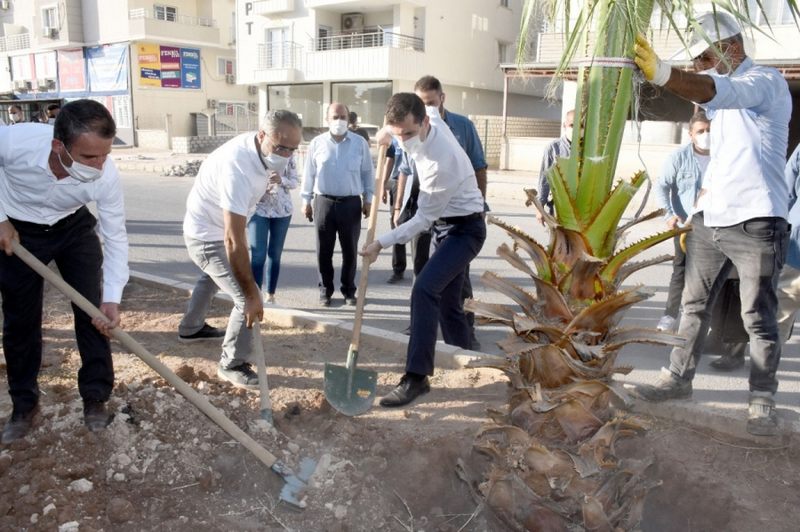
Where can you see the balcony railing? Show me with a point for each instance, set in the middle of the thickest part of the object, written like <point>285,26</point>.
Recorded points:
<point>9,43</point>
<point>283,55</point>
<point>368,39</point>
<point>178,19</point>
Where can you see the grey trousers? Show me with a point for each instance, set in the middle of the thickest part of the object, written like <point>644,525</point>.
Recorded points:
<point>212,258</point>
<point>757,248</point>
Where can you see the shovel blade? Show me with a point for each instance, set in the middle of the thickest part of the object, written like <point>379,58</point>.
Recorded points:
<point>350,391</point>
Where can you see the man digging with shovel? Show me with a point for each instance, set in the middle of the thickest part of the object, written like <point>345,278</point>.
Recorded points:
<point>450,201</point>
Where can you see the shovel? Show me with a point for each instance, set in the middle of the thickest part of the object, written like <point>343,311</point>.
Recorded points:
<point>348,389</point>
<point>294,487</point>
<point>261,364</point>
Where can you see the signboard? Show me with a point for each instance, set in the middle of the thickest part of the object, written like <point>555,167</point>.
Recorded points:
<point>169,67</point>
<point>71,70</point>
<point>108,67</point>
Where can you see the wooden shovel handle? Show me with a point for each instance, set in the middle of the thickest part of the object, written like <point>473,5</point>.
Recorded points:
<point>137,349</point>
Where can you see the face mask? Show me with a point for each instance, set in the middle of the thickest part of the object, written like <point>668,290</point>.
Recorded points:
<point>81,172</point>
<point>338,127</point>
<point>411,145</point>
<point>568,133</point>
<point>16,117</point>
<point>703,141</point>
<point>432,111</point>
<point>51,121</point>
<point>276,163</point>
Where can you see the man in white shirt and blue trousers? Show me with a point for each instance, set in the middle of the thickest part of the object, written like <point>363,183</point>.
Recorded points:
<point>48,174</point>
<point>741,213</point>
<point>451,202</point>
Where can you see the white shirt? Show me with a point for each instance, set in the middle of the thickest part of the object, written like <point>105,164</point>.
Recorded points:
<point>749,136</point>
<point>30,192</point>
<point>232,179</point>
<point>447,184</point>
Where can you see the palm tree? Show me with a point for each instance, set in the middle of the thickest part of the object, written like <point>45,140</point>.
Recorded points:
<point>551,454</point>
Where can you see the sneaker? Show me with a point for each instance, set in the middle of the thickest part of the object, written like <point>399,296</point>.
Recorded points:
<point>96,416</point>
<point>241,376</point>
<point>352,301</point>
<point>762,419</point>
<point>270,299</point>
<point>395,278</point>
<point>325,301</point>
<point>18,425</point>
<point>668,386</point>
<point>410,387</point>
<point>206,332</point>
<point>667,323</point>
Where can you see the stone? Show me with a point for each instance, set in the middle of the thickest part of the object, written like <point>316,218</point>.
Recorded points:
<point>49,508</point>
<point>71,526</point>
<point>120,510</point>
<point>81,485</point>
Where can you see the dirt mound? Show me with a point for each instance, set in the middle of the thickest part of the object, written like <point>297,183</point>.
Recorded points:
<point>161,464</point>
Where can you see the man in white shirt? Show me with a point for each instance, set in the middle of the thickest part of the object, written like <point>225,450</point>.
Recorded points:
<point>48,174</point>
<point>229,184</point>
<point>337,189</point>
<point>451,202</point>
<point>741,213</point>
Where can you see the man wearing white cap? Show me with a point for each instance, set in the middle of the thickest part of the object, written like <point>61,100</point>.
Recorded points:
<point>741,213</point>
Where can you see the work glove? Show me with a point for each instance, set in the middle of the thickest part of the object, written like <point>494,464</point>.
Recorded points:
<point>654,69</point>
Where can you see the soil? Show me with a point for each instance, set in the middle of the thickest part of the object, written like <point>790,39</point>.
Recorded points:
<point>162,464</point>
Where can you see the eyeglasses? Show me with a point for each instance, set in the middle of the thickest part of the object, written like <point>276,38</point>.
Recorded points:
<point>279,148</point>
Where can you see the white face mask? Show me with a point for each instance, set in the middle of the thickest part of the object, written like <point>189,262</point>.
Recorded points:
<point>276,163</point>
<point>51,121</point>
<point>80,171</point>
<point>16,117</point>
<point>703,141</point>
<point>568,133</point>
<point>432,111</point>
<point>337,127</point>
<point>410,145</point>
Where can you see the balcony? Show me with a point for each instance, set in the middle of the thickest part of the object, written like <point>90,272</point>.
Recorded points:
<point>143,23</point>
<point>279,62</point>
<point>551,46</point>
<point>9,43</point>
<point>348,5</point>
<point>371,38</point>
<point>268,8</point>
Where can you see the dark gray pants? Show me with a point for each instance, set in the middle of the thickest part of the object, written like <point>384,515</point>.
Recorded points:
<point>676,281</point>
<point>757,248</point>
<point>337,216</point>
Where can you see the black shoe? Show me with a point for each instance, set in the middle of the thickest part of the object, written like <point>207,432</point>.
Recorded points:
<point>395,278</point>
<point>352,301</point>
<point>325,301</point>
<point>668,386</point>
<point>95,415</point>
<point>206,332</point>
<point>474,344</point>
<point>409,389</point>
<point>241,376</point>
<point>727,363</point>
<point>18,425</point>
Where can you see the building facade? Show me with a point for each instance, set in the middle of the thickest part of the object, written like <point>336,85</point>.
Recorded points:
<point>164,69</point>
<point>304,54</point>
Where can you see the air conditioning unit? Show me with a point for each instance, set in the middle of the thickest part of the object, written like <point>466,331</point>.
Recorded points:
<point>252,89</point>
<point>5,5</point>
<point>22,85</point>
<point>352,22</point>
<point>50,33</point>
<point>230,79</point>
<point>252,106</point>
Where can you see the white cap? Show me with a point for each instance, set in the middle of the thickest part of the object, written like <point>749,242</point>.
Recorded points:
<point>714,29</point>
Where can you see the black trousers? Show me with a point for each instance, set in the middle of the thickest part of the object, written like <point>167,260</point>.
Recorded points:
<point>398,250</point>
<point>337,217</point>
<point>74,246</point>
<point>420,244</point>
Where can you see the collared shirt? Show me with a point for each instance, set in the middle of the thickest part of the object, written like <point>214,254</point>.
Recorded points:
<point>558,148</point>
<point>232,178</point>
<point>30,192</point>
<point>338,168</point>
<point>749,135</point>
<point>447,184</point>
<point>467,136</point>
<point>409,169</point>
<point>277,200</point>
<point>792,175</point>
<point>679,182</point>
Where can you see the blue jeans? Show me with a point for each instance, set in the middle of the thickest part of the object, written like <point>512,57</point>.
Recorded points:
<point>436,295</point>
<point>757,248</point>
<point>266,237</point>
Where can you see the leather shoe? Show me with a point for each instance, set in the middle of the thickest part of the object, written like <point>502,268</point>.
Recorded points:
<point>730,361</point>
<point>95,415</point>
<point>395,278</point>
<point>18,425</point>
<point>409,389</point>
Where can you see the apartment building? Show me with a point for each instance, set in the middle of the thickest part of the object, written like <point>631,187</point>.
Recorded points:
<point>163,68</point>
<point>304,54</point>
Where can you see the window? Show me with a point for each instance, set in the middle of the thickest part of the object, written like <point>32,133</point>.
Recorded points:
<point>50,17</point>
<point>503,3</point>
<point>365,98</point>
<point>168,13</point>
<point>278,50</point>
<point>303,99</point>
<point>225,66</point>
<point>502,52</point>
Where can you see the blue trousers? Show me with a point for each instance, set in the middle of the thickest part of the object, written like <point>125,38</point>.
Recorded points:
<point>757,248</point>
<point>436,296</point>
<point>266,237</point>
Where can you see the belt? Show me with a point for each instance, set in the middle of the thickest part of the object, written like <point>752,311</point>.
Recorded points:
<point>337,198</point>
<point>455,220</point>
<point>44,228</point>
